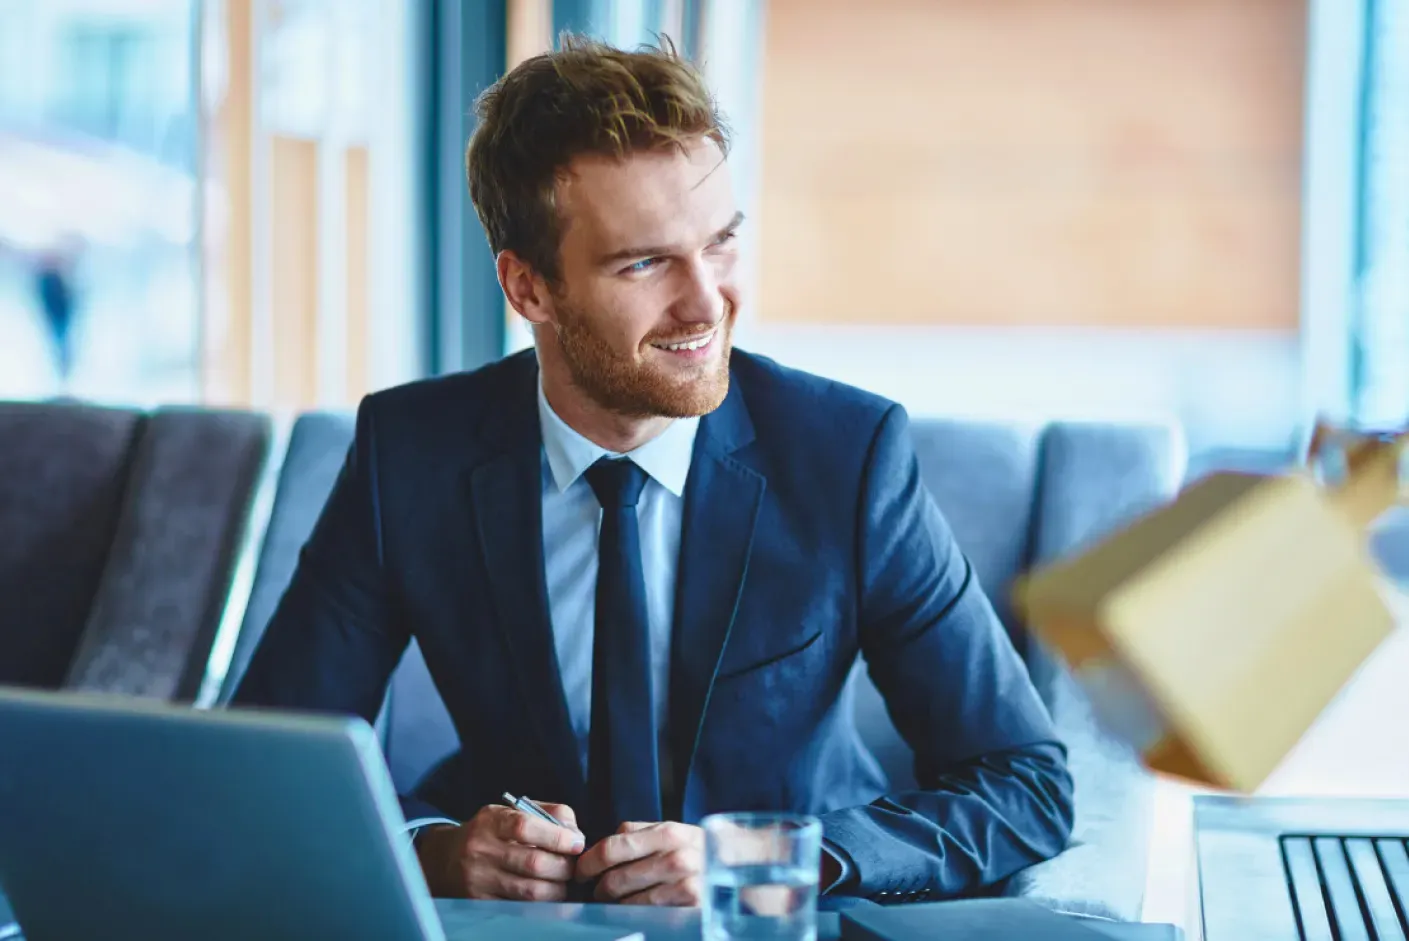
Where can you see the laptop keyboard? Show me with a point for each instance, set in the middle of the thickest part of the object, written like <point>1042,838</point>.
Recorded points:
<point>1349,888</point>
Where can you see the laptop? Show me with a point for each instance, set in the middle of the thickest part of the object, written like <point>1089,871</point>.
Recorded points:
<point>124,818</point>
<point>1302,868</point>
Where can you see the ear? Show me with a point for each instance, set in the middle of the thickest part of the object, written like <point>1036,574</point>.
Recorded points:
<point>525,289</point>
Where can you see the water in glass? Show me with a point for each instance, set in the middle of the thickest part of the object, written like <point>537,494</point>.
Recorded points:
<point>765,902</point>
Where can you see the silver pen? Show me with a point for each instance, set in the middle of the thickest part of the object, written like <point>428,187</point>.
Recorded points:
<point>527,806</point>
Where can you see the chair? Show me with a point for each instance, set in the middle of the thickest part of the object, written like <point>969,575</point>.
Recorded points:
<point>118,538</point>
<point>1014,495</point>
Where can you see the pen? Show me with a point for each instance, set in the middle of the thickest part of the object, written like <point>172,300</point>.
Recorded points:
<point>527,806</point>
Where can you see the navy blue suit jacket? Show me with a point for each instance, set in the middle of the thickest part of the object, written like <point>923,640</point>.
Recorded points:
<point>808,540</point>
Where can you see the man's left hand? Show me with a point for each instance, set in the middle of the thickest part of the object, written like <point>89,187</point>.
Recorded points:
<point>647,864</point>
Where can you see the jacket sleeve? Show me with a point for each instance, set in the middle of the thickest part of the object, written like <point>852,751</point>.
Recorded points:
<point>333,641</point>
<point>994,792</point>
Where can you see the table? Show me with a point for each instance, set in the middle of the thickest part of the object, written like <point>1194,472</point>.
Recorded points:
<point>657,924</point>
<point>663,924</point>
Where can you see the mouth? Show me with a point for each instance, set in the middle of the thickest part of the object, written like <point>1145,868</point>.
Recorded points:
<point>694,348</point>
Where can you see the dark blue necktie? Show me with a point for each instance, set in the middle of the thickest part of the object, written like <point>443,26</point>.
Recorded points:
<point>623,778</point>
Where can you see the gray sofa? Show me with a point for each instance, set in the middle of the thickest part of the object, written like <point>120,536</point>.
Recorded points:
<point>121,532</point>
<point>1015,496</point>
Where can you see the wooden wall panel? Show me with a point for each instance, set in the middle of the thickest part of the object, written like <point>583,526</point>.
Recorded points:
<point>530,29</point>
<point>294,270</point>
<point>358,272</point>
<point>1032,162</point>
<point>227,225</point>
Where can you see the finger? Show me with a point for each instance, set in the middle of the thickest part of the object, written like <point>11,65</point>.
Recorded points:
<point>562,813</point>
<point>520,889</point>
<point>536,863</point>
<point>659,869</point>
<point>631,826</point>
<point>685,893</point>
<point>529,830</point>
<point>622,848</point>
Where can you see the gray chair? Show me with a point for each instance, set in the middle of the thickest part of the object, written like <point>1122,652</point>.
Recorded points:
<point>119,532</point>
<point>1015,496</point>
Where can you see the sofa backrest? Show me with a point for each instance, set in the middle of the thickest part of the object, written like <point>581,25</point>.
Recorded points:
<point>120,536</point>
<point>1013,494</point>
<point>63,474</point>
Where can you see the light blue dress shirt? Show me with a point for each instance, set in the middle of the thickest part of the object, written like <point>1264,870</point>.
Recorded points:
<point>571,519</point>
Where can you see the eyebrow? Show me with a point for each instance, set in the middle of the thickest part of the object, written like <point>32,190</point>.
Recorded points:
<point>648,251</point>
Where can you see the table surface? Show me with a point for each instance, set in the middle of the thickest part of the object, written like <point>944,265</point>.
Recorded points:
<point>463,919</point>
<point>657,924</point>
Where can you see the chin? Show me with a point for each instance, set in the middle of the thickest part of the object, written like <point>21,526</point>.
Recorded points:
<point>705,394</point>
<point>690,398</point>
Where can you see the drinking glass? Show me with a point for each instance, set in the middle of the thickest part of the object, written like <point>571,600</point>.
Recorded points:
<point>761,873</point>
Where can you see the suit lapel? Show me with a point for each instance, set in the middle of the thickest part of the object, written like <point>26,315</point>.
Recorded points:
<point>508,504</point>
<point>722,501</point>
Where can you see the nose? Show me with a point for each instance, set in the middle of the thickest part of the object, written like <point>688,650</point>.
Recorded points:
<point>706,292</point>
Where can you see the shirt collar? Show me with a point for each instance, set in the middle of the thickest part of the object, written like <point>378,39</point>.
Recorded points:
<point>666,457</point>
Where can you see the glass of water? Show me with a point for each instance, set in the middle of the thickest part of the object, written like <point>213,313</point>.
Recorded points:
<point>761,873</point>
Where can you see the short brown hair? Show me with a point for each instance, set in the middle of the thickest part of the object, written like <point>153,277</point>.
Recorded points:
<point>586,98</point>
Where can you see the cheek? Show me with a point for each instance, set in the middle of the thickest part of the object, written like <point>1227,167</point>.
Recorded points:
<point>638,313</point>
<point>625,315</point>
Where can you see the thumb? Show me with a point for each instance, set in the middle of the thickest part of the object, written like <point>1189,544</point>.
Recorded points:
<point>631,826</point>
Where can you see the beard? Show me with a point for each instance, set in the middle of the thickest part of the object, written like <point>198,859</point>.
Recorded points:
<point>637,388</point>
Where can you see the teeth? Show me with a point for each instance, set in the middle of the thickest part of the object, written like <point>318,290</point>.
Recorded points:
<point>690,345</point>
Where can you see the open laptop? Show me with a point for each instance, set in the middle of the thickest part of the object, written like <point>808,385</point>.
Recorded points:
<point>1289,868</point>
<point>126,819</point>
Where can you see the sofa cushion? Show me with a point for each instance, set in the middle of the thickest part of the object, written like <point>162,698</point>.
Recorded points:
<point>984,478</point>
<point>159,603</point>
<point>63,473</point>
<point>1097,477</point>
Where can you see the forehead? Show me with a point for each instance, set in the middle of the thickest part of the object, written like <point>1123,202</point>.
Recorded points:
<point>655,197</point>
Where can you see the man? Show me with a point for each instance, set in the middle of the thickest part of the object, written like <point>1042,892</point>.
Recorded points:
<point>640,566</point>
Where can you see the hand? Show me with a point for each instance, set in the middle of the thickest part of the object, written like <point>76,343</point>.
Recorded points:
<point>501,853</point>
<point>647,864</point>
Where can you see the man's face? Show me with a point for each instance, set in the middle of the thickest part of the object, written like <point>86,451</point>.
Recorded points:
<point>647,298</point>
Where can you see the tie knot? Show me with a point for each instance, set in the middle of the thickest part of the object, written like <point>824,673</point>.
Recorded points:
<point>617,482</point>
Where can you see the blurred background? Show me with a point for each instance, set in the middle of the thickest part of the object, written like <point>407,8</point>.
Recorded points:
<point>1034,209</point>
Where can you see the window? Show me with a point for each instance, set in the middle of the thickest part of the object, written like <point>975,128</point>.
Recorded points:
<point>97,209</point>
<point>1380,351</point>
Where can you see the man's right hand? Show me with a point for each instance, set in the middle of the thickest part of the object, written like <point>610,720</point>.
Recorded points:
<point>501,853</point>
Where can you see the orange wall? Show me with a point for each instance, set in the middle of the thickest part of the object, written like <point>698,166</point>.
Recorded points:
<point>1123,163</point>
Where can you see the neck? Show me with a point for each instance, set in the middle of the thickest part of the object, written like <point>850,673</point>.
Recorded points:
<point>617,433</point>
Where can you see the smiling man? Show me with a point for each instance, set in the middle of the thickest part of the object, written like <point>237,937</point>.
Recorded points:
<point>641,565</point>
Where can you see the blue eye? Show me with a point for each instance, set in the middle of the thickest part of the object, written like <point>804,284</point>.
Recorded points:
<point>645,264</point>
